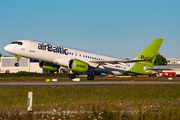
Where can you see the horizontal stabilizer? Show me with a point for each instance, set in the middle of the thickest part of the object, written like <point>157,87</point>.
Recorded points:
<point>160,68</point>
<point>164,68</point>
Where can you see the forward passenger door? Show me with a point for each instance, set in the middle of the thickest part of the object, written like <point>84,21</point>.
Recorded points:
<point>32,46</point>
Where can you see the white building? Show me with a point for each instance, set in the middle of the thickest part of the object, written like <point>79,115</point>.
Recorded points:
<point>7,64</point>
<point>173,61</point>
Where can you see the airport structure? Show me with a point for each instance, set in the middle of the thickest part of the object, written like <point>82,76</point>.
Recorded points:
<point>173,61</point>
<point>30,65</point>
<point>25,64</point>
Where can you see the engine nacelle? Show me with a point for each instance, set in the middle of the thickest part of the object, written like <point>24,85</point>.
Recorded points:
<point>48,66</point>
<point>78,66</point>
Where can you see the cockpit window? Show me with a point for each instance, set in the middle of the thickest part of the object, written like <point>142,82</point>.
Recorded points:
<point>20,43</point>
<point>15,42</point>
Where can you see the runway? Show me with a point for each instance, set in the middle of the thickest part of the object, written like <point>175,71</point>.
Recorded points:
<point>89,83</point>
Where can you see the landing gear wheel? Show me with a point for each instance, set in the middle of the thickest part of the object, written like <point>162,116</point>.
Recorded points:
<point>16,64</point>
<point>72,76</point>
<point>90,77</point>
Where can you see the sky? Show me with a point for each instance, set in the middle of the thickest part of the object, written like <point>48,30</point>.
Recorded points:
<point>118,28</point>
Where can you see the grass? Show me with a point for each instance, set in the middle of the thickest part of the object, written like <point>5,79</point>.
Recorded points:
<point>105,102</point>
<point>68,94</point>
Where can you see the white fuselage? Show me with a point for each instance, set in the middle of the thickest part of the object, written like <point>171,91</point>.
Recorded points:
<point>62,55</point>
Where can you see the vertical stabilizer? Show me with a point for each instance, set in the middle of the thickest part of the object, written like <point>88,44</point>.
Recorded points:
<point>151,52</point>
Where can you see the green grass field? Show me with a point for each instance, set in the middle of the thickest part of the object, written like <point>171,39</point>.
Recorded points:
<point>106,102</point>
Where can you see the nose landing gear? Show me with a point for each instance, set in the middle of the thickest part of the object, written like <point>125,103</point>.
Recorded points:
<point>17,64</point>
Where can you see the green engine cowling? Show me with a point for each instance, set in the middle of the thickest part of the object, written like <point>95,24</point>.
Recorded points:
<point>48,66</point>
<point>78,65</point>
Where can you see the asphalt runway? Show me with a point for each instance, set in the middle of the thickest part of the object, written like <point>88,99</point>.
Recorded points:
<point>89,83</point>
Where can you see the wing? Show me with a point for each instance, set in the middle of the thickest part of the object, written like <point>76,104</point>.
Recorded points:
<point>117,61</point>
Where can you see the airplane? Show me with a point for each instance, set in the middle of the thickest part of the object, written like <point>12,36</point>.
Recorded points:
<point>51,57</point>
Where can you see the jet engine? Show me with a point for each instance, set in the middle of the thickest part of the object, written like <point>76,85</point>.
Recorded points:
<point>78,66</point>
<point>48,66</point>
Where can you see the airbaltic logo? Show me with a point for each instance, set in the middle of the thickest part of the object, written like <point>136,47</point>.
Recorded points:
<point>50,48</point>
<point>82,66</point>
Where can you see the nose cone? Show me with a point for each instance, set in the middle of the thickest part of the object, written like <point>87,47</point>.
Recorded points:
<point>8,48</point>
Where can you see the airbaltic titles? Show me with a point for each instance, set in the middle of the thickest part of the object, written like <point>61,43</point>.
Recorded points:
<point>52,48</point>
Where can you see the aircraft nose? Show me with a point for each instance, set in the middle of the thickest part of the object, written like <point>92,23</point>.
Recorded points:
<point>8,48</point>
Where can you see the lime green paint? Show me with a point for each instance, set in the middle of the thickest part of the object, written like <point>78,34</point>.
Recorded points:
<point>151,52</point>
<point>50,66</point>
<point>19,57</point>
<point>79,66</point>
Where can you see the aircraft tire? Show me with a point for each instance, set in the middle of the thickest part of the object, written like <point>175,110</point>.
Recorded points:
<point>90,77</point>
<point>16,64</point>
<point>72,76</point>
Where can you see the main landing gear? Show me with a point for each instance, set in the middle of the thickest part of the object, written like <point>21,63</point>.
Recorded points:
<point>90,77</point>
<point>72,76</point>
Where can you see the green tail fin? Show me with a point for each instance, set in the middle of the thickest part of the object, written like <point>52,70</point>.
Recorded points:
<point>151,52</point>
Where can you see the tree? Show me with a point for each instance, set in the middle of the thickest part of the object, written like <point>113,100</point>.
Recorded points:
<point>0,55</point>
<point>160,60</point>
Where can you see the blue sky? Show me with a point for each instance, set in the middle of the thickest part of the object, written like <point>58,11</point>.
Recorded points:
<point>119,28</point>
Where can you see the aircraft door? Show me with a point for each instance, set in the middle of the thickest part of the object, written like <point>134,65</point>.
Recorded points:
<point>32,46</point>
